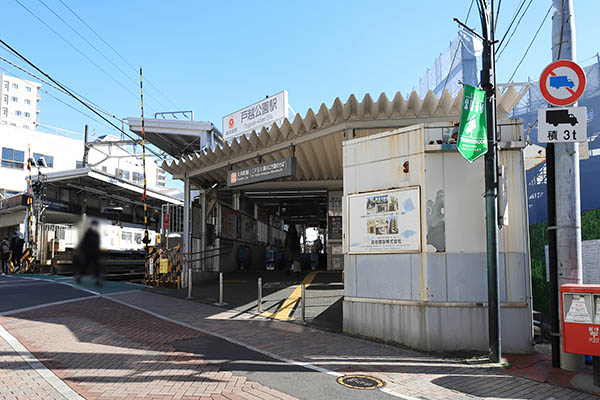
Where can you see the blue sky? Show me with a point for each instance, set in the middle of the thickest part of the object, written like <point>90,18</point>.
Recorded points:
<point>215,57</point>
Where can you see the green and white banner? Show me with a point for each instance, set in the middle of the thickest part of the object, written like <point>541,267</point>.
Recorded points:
<point>472,133</point>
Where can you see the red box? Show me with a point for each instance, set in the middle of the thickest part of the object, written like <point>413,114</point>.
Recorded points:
<point>580,318</point>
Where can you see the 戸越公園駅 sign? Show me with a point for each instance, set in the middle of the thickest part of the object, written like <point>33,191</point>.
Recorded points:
<point>262,172</point>
<point>254,117</point>
<point>387,221</point>
<point>472,132</point>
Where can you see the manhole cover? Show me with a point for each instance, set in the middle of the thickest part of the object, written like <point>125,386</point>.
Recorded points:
<point>360,382</point>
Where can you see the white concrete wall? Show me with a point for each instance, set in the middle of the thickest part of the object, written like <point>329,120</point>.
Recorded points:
<point>434,299</point>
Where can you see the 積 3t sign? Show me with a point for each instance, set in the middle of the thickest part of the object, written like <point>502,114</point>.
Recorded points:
<point>562,83</point>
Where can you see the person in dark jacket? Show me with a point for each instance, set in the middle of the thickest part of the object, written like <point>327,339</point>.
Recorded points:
<point>4,255</point>
<point>88,253</point>
<point>292,249</point>
<point>16,249</point>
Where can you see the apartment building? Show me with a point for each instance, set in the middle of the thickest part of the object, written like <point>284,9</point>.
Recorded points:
<point>18,102</point>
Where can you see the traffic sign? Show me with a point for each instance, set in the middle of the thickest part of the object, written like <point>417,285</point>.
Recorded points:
<point>562,82</point>
<point>561,125</point>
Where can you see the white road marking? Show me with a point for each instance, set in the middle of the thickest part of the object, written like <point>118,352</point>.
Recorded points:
<point>55,303</point>
<point>38,367</point>
<point>252,348</point>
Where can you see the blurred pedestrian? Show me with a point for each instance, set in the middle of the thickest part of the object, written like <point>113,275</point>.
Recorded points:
<point>292,249</point>
<point>88,253</point>
<point>16,249</point>
<point>4,255</point>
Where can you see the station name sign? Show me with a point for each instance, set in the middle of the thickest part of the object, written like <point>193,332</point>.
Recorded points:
<point>254,117</point>
<point>262,172</point>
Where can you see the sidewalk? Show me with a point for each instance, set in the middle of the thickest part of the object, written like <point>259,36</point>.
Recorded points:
<point>411,374</point>
<point>139,344</point>
<point>18,380</point>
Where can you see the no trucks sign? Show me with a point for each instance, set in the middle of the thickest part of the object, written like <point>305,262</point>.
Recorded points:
<point>472,133</point>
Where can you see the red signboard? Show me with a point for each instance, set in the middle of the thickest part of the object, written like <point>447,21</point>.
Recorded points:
<point>580,317</point>
<point>166,220</point>
<point>562,82</point>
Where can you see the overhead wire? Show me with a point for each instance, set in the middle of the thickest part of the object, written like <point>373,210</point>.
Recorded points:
<point>514,30</point>
<point>116,51</point>
<point>513,19</point>
<point>22,57</point>
<point>57,88</point>
<point>531,43</point>
<point>95,48</point>
<point>76,49</point>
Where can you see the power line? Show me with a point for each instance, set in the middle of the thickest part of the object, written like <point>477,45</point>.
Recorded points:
<point>530,44</point>
<point>76,48</point>
<point>514,18</point>
<point>22,57</point>
<point>469,12</point>
<point>90,103</point>
<point>117,53</point>
<point>515,29</point>
<point>95,48</point>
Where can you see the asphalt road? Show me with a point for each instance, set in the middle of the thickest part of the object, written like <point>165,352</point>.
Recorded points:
<point>18,293</point>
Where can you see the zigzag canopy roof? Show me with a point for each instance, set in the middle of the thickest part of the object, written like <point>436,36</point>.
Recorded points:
<point>318,137</point>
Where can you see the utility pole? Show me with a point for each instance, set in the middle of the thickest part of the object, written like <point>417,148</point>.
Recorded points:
<point>488,83</point>
<point>86,149</point>
<point>566,172</point>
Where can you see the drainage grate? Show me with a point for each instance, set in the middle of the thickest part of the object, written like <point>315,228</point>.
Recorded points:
<point>360,382</point>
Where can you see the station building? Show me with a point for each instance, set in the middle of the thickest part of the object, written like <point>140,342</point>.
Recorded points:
<point>426,289</point>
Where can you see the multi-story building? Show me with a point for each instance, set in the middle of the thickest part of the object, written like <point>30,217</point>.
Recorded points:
<point>62,153</point>
<point>18,102</point>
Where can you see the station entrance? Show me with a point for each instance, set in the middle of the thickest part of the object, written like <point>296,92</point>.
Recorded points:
<point>241,197</point>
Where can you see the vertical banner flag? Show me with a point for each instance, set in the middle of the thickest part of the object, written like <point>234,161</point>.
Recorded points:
<point>472,133</point>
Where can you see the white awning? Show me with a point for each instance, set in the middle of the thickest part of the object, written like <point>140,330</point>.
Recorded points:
<point>317,138</point>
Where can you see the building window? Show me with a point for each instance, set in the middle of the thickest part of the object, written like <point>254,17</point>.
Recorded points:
<point>28,88</point>
<point>18,113</point>
<point>13,124</point>
<point>6,85</point>
<point>78,164</point>
<point>5,99</point>
<point>49,159</point>
<point>13,158</point>
<point>161,184</point>
<point>15,86</point>
<point>27,115</point>
<point>126,237</point>
<point>118,173</point>
<point>27,101</point>
<point>125,174</point>
<point>138,177</point>
<point>4,122</point>
<point>5,112</point>
<point>104,168</point>
<point>26,126</point>
<point>14,99</point>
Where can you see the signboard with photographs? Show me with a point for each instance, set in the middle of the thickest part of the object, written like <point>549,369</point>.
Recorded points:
<point>384,222</point>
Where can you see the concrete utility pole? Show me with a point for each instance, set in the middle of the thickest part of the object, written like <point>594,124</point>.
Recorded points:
<point>566,169</point>
<point>488,83</point>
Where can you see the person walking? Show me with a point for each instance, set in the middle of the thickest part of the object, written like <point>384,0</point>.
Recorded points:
<point>4,255</point>
<point>16,249</point>
<point>292,249</point>
<point>88,253</point>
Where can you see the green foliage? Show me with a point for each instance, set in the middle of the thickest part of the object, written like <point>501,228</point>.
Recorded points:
<point>538,239</point>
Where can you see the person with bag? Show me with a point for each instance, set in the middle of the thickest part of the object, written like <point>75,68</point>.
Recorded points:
<point>4,255</point>
<point>16,249</point>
